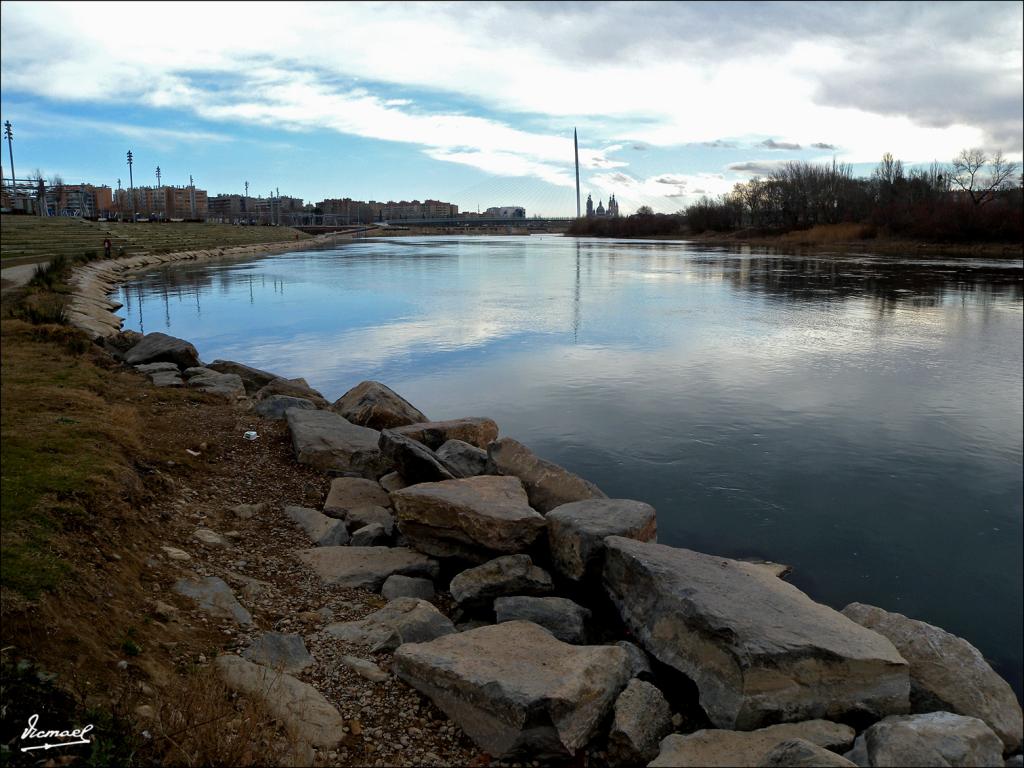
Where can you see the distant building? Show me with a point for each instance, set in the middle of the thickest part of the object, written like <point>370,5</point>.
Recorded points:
<point>505,212</point>
<point>601,212</point>
<point>163,202</point>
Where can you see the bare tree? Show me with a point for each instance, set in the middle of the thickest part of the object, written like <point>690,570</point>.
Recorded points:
<point>967,174</point>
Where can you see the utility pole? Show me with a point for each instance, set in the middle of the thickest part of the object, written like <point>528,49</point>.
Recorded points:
<point>120,214</point>
<point>245,202</point>
<point>192,195</point>
<point>159,191</point>
<point>131,184</point>
<point>576,148</point>
<point>9,135</point>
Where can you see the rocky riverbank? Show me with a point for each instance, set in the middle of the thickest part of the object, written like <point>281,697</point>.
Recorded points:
<point>449,566</point>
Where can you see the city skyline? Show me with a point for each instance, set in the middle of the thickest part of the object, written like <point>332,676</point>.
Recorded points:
<point>476,103</point>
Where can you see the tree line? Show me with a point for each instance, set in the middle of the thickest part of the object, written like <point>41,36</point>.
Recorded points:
<point>977,197</point>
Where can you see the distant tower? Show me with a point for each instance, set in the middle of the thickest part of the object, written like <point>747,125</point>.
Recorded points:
<point>600,208</point>
<point>590,207</point>
<point>576,149</point>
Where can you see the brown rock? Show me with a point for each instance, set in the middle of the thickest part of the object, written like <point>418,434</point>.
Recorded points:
<point>372,404</point>
<point>474,430</point>
<point>547,484</point>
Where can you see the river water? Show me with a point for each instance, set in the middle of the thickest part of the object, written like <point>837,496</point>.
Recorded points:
<point>858,417</point>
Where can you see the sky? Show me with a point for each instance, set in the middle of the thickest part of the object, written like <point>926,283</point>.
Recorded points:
<point>475,103</point>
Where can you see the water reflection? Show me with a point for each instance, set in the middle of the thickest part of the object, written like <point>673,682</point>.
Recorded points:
<point>858,417</point>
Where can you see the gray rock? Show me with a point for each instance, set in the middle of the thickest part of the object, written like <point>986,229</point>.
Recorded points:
<point>371,404</point>
<point>215,597</point>
<point>350,492</point>
<point>226,385</point>
<point>274,406</point>
<point>758,648</point>
<point>252,378</point>
<point>365,668</point>
<point>800,753</point>
<point>161,348</point>
<point>372,535</point>
<point>326,441</point>
<point>560,616</point>
<point>415,462</point>
<point>515,689</point>
<point>365,567</point>
<point>210,538</point>
<point>407,586</point>
<point>467,460</point>
<point>166,379</point>
<point>324,531</point>
<point>292,388</point>
<point>509,575</point>
<point>286,653</point>
<point>1017,761</point>
<point>642,719</point>
<point>947,673</point>
<point>714,748</point>
<point>300,706</point>
<point>433,434</point>
<point>393,481</point>
<point>577,530</point>
<point>472,518</point>
<point>360,517</point>
<point>404,620</point>
<point>639,664</point>
<point>935,738</point>
<point>547,484</point>
<point>149,368</point>
<point>248,511</point>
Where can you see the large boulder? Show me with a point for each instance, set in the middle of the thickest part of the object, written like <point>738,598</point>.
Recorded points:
<point>324,531</point>
<point>365,567</point>
<point>474,430</point>
<point>273,407</point>
<point>348,493</point>
<point>326,441</point>
<point>224,384</point>
<point>299,705</point>
<point>515,689</point>
<point>252,378</point>
<point>642,719</point>
<point>714,748</point>
<point>947,673</point>
<point>935,738</point>
<point>403,620</point>
<point>801,753</point>
<point>214,596</point>
<point>466,459</point>
<point>371,404</point>
<point>547,484</point>
<point>560,616</point>
<point>577,530</point>
<point>292,388</point>
<point>473,518</point>
<point>407,586</point>
<point>159,347</point>
<point>759,649</point>
<point>413,460</point>
<point>509,575</point>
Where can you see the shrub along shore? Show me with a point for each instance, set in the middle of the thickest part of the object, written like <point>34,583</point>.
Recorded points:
<point>543,617</point>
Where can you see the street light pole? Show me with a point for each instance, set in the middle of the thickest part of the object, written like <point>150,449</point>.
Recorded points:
<point>131,184</point>
<point>159,192</point>
<point>10,153</point>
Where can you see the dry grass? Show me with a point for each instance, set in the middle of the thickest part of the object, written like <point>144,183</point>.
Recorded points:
<point>823,234</point>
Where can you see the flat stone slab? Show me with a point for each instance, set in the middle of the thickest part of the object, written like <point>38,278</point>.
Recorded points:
<point>509,575</point>
<point>713,748</point>
<point>403,620</point>
<point>161,348</point>
<point>323,530</point>
<point>947,673</point>
<point>350,492</point>
<point>326,441</point>
<point>275,406</point>
<point>304,709</point>
<point>514,688</point>
<point>759,649</point>
<point>547,484</point>
<point>283,652</point>
<point>475,430</point>
<point>253,378</point>
<point>227,385</point>
<point>210,538</point>
<point>374,405</point>
<point>215,597</point>
<point>935,738</point>
<point>148,368</point>
<point>407,586</point>
<point>577,530</point>
<point>166,379</point>
<point>560,616</point>
<point>473,518</point>
<point>366,567</point>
